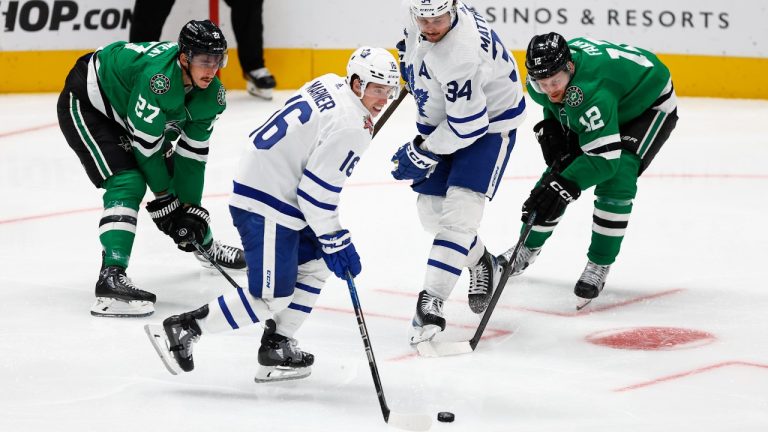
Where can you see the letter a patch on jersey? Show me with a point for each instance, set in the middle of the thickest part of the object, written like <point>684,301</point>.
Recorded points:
<point>159,84</point>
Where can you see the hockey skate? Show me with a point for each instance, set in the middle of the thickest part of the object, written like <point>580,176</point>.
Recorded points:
<point>280,358</point>
<point>483,278</point>
<point>260,83</point>
<point>428,320</point>
<point>228,257</point>
<point>524,258</point>
<point>117,296</point>
<point>173,340</point>
<point>591,283</point>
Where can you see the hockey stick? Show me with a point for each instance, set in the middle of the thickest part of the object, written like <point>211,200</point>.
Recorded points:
<point>390,110</point>
<point>213,262</point>
<point>414,422</point>
<point>439,349</point>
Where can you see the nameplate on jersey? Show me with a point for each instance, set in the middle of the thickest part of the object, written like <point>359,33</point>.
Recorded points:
<point>320,96</point>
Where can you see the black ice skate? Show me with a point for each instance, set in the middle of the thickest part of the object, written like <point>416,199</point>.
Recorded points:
<point>228,257</point>
<point>428,320</point>
<point>260,83</point>
<point>525,257</point>
<point>280,357</point>
<point>117,296</point>
<point>590,283</point>
<point>483,278</point>
<point>173,340</point>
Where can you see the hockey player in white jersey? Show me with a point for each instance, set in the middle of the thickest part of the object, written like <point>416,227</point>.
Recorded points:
<point>285,207</point>
<point>470,102</point>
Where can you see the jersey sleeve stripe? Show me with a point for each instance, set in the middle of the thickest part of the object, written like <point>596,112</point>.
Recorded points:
<point>321,182</point>
<point>472,134</point>
<point>196,150</point>
<point>602,141</point>
<point>510,113</point>
<point>263,197</point>
<point>193,142</point>
<point>425,129</point>
<point>468,118</point>
<point>313,201</point>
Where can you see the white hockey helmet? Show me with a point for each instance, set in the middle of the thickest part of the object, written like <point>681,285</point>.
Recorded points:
<point>432,8</point>
<point>374,65</point>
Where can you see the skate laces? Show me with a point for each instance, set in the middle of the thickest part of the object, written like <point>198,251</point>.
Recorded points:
<point>431,305</point>
<point>480,280</point>
<point>594,274</point>
<point>126,281</point>
<point>222,252</point>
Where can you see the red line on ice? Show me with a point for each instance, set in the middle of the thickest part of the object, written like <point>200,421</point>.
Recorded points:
<point>25,130</point>
<point>689,373</point>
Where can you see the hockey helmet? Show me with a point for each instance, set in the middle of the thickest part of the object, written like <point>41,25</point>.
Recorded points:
<point>374,65</point>
<point>432,8</point>
<point>203,37</point>
<point>547,55</point>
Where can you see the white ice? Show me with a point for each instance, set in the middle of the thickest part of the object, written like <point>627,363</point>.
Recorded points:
<point>694,258</point>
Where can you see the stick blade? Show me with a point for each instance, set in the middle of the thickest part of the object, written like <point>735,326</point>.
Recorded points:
<point>411,422</point>
<point>443,349</point>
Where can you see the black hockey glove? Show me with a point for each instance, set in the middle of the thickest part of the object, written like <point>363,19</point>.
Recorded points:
<point>161,211</point>
<point>558,144</point>
<point>191,223</point>
<point>550,198</point>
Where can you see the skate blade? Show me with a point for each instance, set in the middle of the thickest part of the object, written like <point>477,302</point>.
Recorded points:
<point>281,373</point>
<point>115,308</point>
<point>582,303</point>
<point>423,334</point>
<point>443,349</point>
<point>156,335</point>
<point>265,94</point>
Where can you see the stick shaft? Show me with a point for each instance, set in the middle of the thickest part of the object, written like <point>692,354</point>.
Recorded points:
<point>214,263</point>
<point>368,348</point>
<point>388,113</point>
<point>502,282</point>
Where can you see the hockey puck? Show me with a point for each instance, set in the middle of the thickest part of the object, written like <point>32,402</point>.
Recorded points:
<point>445,417</point>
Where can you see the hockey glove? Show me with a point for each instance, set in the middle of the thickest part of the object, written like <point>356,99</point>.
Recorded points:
<point>191,223</point>
<point>339,254</point>
<point>550,198</point>
<point>162,209</point>
<point>558,144</point>
<point>413,163</point>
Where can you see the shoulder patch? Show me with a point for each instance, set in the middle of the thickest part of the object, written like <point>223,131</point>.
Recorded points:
<point>221,97</point>
<point>574,96</point>
<point>159,84</point>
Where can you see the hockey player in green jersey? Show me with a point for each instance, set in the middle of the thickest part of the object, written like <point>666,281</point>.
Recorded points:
<point>121,110</point>
<point>608,109</point>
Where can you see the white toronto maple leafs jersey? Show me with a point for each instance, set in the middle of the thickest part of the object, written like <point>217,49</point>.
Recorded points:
<point>297,162</point>
<point>465,85</point>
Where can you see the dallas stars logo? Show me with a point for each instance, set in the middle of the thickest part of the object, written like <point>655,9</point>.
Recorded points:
<point>159,84</point>
<point>574,96</point>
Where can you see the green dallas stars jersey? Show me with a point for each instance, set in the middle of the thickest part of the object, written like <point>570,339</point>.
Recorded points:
<point>143,84</point>
<point>612,85</point>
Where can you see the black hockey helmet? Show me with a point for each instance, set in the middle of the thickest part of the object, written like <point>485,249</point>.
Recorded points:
<point>547,55</point>
<point>203,37</point>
